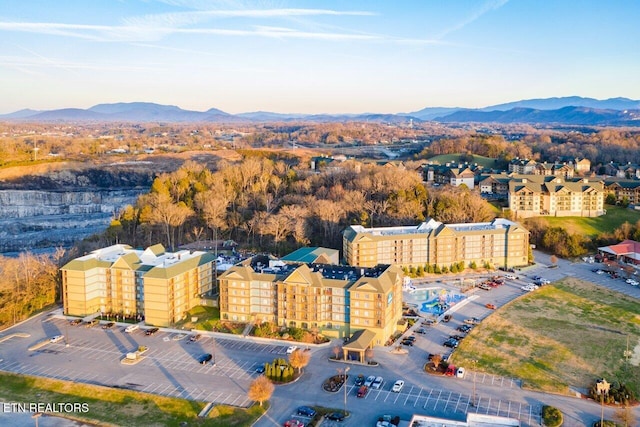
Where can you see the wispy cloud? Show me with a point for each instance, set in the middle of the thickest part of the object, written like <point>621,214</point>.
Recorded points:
<point>194,17</point>
<point>486,7</point>
<point>132,33</point>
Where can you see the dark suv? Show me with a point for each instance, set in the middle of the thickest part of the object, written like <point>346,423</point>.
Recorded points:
<point>151,331</point>
<point>451,343</point>
<point>205,358</point>
<point>306,411</point>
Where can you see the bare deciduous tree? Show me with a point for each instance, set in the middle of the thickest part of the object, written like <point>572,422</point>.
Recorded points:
<point>260,389</point>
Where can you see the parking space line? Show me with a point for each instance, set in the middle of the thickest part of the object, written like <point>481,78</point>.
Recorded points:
<point>478,406</point>
<point>427,401</point>
<point>499,402</point>
<point>418,398</point>
<point>408,395</point>
<point>457,403</point>
<point>448,399</point>
<point>437,399</point>
<point>489,405</point>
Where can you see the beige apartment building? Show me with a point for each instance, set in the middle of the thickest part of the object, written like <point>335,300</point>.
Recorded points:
<point>161,286</point>
<point>502,243</point>
<point>337,300</point>
<point>537,195</point>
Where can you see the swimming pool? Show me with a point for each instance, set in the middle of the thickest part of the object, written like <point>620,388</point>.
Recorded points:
<point>434,300</point>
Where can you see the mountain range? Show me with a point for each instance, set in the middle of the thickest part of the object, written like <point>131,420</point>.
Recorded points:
<point>572,110</point>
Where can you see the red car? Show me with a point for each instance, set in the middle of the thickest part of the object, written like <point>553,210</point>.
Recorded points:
<point>490,306</point>
<point>293,423</point>
<point>362,391</point>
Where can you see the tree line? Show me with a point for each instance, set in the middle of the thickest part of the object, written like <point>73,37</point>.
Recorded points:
<point>268,204</point>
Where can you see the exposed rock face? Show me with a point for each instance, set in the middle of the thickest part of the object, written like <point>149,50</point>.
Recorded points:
<point>36,219</point>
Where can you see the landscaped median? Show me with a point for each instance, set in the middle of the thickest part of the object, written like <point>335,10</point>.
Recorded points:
<point>135,356</point>
<point>117,406</point>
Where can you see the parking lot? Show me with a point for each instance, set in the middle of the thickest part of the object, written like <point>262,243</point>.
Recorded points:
<point>170,367</point>
<point>451,403</point>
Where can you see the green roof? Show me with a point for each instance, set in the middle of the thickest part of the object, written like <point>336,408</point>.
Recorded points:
<point>309,254</point>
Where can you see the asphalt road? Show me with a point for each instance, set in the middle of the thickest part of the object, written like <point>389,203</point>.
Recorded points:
<point>171,367</point>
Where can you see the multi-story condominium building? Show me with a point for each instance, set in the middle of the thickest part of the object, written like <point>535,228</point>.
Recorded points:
<point>160,286</point>
<point>501,243</point>
<point>337,300</point>
<point>536,195</point>
<point>624,190</point>
<point>522,166</point>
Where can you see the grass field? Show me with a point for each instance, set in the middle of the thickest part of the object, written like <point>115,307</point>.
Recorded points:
<point>614,218</point>
<point>565,334</point>
<point>481,160</point>
<point>122,407</point>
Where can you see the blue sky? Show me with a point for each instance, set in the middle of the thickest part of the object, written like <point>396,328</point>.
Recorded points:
<point>314,56</point>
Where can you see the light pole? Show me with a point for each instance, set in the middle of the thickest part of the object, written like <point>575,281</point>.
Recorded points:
<point>473,396</point>
<point>344,384</point>
<point>603,388</point>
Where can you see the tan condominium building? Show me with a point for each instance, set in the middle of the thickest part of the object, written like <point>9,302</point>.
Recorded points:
<point>152,283</point>
<point>334,300</point>
<point>537,195</point>
<point>501,243</point>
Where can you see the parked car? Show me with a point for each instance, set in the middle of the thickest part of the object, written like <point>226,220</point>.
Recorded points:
<point>407,342</point>
<point>131,328</point>
<point>456,337</point>
<point>362,391</point>
<point>359,380</point>
<point>194,338</point>
<point>205,358</point>
<point>293,423</point>
<point>485,287</point>
<point>410,338</point>
<point>91,323</point>
<point>460,372</point>
<point>370,379</point>
<point>306,411</point>
<point>464,328</point>
<point>446,318</point>
<point>490,306</point>
<point>291,349</point>
<point>108,325</point>
<point>511,277</point>
<point>421,331</point>
<point>397,386</point>
<point>151,331</point>
<point>377,384</point>
<point>451,371</point>
<point>335,416</point>
<point>451,343</point>
<point>259,369</point>
<point>75,322</point>
<point>472,321</point>
<point>56,339</point>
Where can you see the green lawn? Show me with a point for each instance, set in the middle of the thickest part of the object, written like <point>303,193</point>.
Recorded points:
<point>481,160</point>
<point>565,334</point>
<point>614,218</point>
<point>122,407</point>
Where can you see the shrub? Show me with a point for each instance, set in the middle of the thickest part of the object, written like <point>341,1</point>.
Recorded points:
<point>551,416</point>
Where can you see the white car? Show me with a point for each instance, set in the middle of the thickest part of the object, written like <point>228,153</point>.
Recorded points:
<point>131,328</point>
<point>291,349</point>
<point>57,338</point>
<point>397,386</point>
<point>510,277</point>
<point>370,379</point>
<point>460,373</point>
<point>377,383</point>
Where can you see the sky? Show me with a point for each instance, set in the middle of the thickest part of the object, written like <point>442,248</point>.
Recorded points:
<point>315,56</point>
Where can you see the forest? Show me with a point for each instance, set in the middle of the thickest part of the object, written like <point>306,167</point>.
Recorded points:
<point>267,205</point>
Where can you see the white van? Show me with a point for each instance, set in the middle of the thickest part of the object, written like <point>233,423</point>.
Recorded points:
<point>131,328</point>
<point>460,373</point>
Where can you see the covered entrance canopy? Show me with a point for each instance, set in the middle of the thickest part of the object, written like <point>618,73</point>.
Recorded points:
<point>358,344</point>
